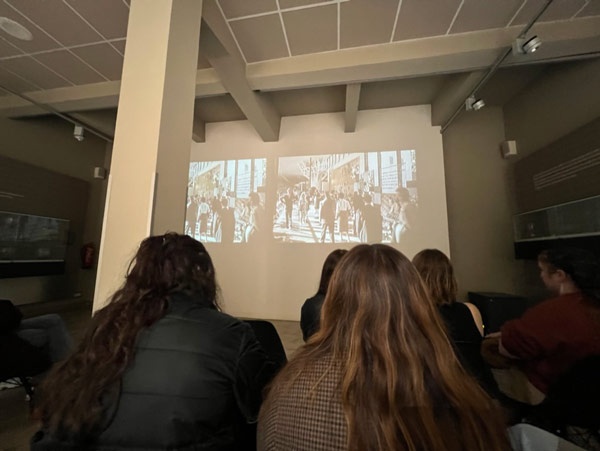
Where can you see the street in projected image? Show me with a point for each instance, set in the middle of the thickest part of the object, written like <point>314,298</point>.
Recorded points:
<point>366,197</point>
<point>226,201</point>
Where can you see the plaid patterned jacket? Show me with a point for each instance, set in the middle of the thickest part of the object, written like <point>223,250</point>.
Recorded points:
<point>304,419</point>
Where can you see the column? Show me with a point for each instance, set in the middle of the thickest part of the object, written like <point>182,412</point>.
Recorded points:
<point>149,169</point>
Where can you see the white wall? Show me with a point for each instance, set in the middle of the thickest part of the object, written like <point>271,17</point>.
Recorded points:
<point>479,188</point>
<point>271,280</point>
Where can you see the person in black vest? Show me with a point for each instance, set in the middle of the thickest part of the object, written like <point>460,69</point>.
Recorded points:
<point>310,316</point>
<point>462,320</point>
<point>161,367</point>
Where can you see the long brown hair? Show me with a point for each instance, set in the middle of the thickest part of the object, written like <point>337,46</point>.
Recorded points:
<point>328,266</point>
<point>164,265</point>
<point>437,273</point>
<point>401,385</point>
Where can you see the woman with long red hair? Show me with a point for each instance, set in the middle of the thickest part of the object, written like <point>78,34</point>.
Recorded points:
<point>380,374</point>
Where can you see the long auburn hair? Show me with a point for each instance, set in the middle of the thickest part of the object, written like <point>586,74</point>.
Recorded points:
<point>328,266</point>
<point>402,388</point>
<point>70,397</point>
<point>437,273</point>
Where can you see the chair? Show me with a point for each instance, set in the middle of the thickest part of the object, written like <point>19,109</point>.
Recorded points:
<point>267,336</point>
<point>19,361</point>
<point>571,408</point>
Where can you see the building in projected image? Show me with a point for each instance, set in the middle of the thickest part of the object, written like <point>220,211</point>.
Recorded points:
<point>351,197</point>
<point>226,200</point>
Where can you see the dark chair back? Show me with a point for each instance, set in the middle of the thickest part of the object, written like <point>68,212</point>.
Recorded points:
<point>575,398</point>
<point>267,336</point>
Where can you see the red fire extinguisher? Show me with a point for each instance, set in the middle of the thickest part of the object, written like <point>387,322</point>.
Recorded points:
<point>87,255</point>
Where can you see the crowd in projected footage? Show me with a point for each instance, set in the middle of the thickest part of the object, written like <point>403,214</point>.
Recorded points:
<point>353,197</point>
<point>226,201</point>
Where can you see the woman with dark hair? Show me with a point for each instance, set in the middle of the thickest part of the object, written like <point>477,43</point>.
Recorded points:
<point>160,366</point>
<point>380,374</point>
<point>552,336</point>
<point>310,315</point>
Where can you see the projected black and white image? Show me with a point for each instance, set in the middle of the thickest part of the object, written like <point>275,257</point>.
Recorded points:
<point>352,197</point>
<point>226,201</point>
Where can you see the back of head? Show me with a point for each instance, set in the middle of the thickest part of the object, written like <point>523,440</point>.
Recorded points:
<point>328,266</point>
<point>403,194</point>
<point>581,265</point>
<point>402,386</point>
<point>163,266</point>
<point>437,273</point>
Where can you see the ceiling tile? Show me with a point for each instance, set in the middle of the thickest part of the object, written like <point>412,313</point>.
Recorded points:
<point>31,70</point>
<point>58,20</point>
<point>365,22</point>
<point>558,10</point>
<point>485,14</point>
<point>109,17</point>
<point>8,50</point>
<point>261,38</point>
<point>103,58</point>
<point>321,36</point>
<point>284,4</point>
<point>120,45</point>
<point>15,83</point>
<point>592,9</point>
<point>240,8</point>
<point>41,41</point>
<point>69,66</point>
<point>423,18</point>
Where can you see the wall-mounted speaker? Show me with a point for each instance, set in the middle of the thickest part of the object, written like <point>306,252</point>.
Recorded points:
<point>99,173</point>
<point>509,148</point>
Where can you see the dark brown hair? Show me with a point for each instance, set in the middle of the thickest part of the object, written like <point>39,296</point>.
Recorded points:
<point>164,265</point>
<point>581,265</point>
<point>402,387</point>
<point>437,273</point>
<point>328,266</point>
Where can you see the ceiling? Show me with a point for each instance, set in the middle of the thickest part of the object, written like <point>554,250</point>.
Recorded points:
<point>82,42</point>
<point>270,29</point>
<point>77,42</point>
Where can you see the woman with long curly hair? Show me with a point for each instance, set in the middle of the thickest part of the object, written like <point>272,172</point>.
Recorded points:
<point>380,374</point>
<point>161,367</point>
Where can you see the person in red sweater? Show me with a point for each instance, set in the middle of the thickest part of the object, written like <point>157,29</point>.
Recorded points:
<point>552,336</point>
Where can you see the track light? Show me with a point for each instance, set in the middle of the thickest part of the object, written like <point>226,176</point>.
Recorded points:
<point>474,104</point>
<point>523,46</point>
<point>78,133</point>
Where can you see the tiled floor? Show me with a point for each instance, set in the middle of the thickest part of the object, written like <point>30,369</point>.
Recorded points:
<point>15,426</point>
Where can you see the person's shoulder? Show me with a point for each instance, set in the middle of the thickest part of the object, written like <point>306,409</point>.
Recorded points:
<point>316,299</point>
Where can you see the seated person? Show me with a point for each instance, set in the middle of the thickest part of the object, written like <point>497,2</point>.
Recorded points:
<point>380,373</point>
<point>161,367</point>
<point>552,336</point>
<point>30,346</point>
<point>310,316</point>
<point>463,320</point>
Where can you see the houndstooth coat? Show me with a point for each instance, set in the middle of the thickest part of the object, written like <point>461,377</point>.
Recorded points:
<point>303,418</point>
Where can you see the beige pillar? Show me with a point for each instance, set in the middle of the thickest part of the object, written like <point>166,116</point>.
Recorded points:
<point>149,170</point>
